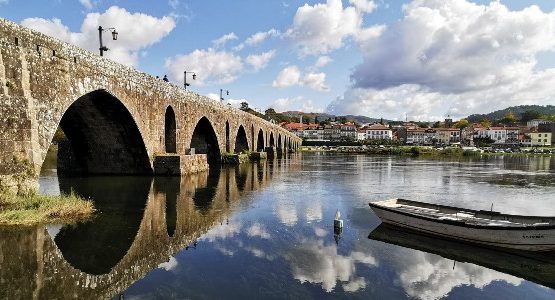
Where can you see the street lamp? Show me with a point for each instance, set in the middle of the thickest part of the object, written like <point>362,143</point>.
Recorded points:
<point>185,84</point>
<point>114,37</point>
<point>221,94</point>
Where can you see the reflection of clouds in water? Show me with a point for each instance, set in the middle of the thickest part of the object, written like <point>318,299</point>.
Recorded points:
<point>319,232</point>
<point>287,214</point>
<point>428,276</point>
<point>354,285</point>
<point>314,211</point>
<point>224,250</point>
<point>258,230</point>
<point>170,265</point>
<point>53,230</point>
<point>315,262</point>
<point>221,232</point>
<point>259,253</point>
<point>288,211</point>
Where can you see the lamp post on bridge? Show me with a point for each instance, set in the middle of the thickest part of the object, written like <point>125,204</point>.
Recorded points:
<point>221,94</point>
<point>114,37</point>
<point>185,84</point>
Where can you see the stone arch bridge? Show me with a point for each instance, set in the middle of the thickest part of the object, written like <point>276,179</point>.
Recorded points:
<point>116,120</point>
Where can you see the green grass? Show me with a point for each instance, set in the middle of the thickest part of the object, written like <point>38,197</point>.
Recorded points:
<point>41,209</point>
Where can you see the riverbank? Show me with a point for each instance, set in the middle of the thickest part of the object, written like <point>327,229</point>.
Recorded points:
<point>423,151</point>
<point>35,209</point>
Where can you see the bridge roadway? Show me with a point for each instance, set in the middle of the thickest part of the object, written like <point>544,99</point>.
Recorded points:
<point>95,261</point>
<point>117,120</point>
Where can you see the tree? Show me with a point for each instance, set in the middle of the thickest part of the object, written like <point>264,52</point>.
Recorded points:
<point>316,120</point>
<point>270,111</point>
<point>530,115</point>
<point>244,106</point>
<point>485,123</point>
<point>462,123</point>
<point>423,124</point>
<point>509,118</point>
<point>438,124</point>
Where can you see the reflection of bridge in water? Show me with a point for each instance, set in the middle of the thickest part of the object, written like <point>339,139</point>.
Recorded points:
<point>99,259</point>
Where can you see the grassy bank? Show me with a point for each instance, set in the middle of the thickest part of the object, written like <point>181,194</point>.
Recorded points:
<point>41,209</point>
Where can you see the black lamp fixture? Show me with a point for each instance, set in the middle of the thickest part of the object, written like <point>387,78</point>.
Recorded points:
<point>114,37</point>
<point>221,94</point>
<point>185,84</point>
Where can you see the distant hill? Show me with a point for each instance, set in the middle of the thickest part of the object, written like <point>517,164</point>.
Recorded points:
<point>323,116</point>
<point>518,111</point>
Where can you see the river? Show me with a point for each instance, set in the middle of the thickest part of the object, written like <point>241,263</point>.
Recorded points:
<point>265,231</point>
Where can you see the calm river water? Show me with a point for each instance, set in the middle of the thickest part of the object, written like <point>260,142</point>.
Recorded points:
<point>265,231</point>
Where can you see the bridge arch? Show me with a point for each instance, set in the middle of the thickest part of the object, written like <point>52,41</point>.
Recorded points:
<point>205,140</point>
<point>272,141</point>
<point>102,138</point>
<point>170,131</point>
<point>241,141</point>
<point>260,141</point>
<point>280,145</point>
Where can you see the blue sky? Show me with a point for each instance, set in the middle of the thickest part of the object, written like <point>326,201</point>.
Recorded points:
<point>423,59</point>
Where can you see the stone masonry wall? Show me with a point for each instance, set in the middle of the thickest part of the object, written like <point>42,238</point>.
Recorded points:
<point>40,77</point>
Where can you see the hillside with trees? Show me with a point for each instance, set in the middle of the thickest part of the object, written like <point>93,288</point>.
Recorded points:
<point>515,114</point>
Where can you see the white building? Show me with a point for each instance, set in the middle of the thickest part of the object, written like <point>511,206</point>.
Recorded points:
<point>361,134</point>
<point>499,135</point>
<point>379,132</point>
<point>536,123</point>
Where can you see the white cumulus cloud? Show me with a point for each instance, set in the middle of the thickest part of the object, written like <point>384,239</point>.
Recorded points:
<point>137,31</point>
<point>210,66</point>
<point>219,42</point>
<point>452,57</point>
<point>260,61</point>
<point>297,104</point>
<point>86,3</point>
<point>323,27</point>
<point>322,61</point>
<point>291,76</point>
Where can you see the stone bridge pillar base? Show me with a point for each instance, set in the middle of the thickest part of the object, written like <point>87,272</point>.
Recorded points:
<point>271,151</point>
<point>258,155</point>
<point>234,159</point>
<point>175,164</point>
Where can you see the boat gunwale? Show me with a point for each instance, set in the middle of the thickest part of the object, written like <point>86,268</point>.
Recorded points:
<point>461,223</point>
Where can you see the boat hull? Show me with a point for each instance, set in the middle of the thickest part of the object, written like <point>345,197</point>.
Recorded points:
<point>529,239</point>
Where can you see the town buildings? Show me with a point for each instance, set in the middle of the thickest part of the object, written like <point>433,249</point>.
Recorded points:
<point>541,135</point>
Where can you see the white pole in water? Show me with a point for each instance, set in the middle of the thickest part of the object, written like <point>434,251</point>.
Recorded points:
<point>338,223</point>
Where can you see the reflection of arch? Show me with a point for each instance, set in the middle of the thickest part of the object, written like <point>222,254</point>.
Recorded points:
<point>205,141</point>
<point>252,139</point>
<point>204,195</point>
<point>241,174</point>
<point>170,186</point>
<point>95,247</point>
<point>272,142</point>
<point>260,141</point>
<point>241,142</point>
<point>170,131</point>
<point>103,138</point>
<point>227,147</point>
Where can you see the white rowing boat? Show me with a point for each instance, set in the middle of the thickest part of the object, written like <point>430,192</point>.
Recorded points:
<point>491,228</point>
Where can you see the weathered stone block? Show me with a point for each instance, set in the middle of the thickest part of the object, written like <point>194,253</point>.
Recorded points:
<point>258,155</point>
<point>167,165</point>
